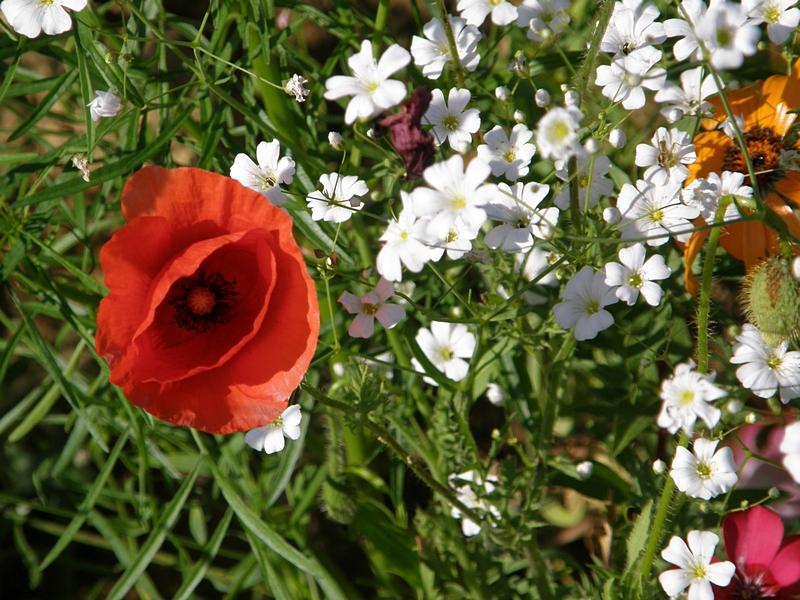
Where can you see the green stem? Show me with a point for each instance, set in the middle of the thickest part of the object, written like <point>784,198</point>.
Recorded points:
<point>574,194</point>
<point>451,42</point>
<point>381,18</point>
<point>584,76</point>
<point>705,289</point>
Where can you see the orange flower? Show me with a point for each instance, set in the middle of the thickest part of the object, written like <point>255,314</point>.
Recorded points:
<point>211,319</point>
<point>765,108</point>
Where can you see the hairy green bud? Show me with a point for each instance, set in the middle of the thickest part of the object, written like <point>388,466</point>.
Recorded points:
<point>772,300</point>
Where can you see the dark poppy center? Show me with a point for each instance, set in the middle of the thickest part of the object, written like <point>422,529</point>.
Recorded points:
<point>764,148</point>
<point>202,301</point>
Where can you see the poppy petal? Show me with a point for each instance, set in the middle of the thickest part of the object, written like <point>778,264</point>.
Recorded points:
<point>785,567</point>
<point>752,537</point>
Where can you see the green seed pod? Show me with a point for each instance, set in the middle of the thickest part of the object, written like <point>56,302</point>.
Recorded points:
<point>772,300</point>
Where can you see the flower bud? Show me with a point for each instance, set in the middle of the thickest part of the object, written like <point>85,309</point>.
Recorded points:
<point>734,407</point>
<point>796,267</point>
<point>519,66</point>
<point>611,215</point>
<point>496,394</point>
<point>674,115</point>
<point>617,138</point>
<point>336,141</point>
<point>774,493</point>
<point>585,469</point>
<point>751,418</point>
<point>542,98</point>
<point>519,116</point>
<point>502,93</point>
<point>571,99</point>
<point>772,300</point>
<point>659,467</point>
<point>592,146</point>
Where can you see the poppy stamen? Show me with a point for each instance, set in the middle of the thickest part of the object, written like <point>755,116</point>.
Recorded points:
<point>202,301</point>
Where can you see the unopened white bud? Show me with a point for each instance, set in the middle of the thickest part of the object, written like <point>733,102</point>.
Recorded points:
<point>751,418</point>
<point>338,369</point>
<point>617,138</point>
<point>585,469</point>
<point>734,407</point>
<point>564,88</point>
<point>774,493</point>
<point>371,134</point>
<point>502,93</point>
<point>645,362</point>
<point>496,394</point>
<point>519,116</point>
<point>796,267</point>
<point>611,215</point>
<point>571,99</point>
<point>542,98</point>
<point>335,140</point>
<point>733,86</point>
<point>659,467</point>
<point>674,115</point>
<point>592,146</point>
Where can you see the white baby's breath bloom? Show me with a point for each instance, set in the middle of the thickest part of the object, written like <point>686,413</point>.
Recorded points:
<point>706,194</point>
<point>632,30</point>
<point>266,176</point>
<point>105,104</point>
<point>728,34</point>
<point>496,394</point>
<point>635,275</point>
<point>457,241</point>
<point>447,345</point>
<point>468,496</point>
<point>517,207</point>
<point>695,569</point>
<point>476,11</point>
<point>270,438</point>
<point>532,266</point>
<point>432,52</point>
<point>597,185</point>
<point>506,156</point>
<point>405,244</point>
<point>449,119</point>
<point>655,212</point>
<point>624,79</point>
<point>790,447</point>
<point>765,369</point>
<point>296,87</point>
<point>339,199</point>
<point>371,306</point>
<point>557,133</point>
<point>780,17</point>
<point>544,19</point>
<point>707,472</point>
<point>690,97</point>
<point>584,299</point>
<point>371,89</point>
<point>691,12</point>
<point>686,396</point>
<point>666,156</point>
<point>30,17</point>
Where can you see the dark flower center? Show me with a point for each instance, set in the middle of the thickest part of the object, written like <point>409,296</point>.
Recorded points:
<point>764,148</point>
<point>202,301</point>
<point>756,584</point>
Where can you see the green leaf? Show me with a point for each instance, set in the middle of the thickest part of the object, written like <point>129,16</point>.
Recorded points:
<point>640,532</point>
<point>45,105</point>
<point>157,537</point>
<point>17,157</point>
<point>86,91</point>
<point>209,553</point>
<point>271,578</point>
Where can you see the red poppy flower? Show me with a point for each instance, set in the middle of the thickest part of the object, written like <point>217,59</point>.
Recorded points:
<point>767,121</point>
<point>767,564</point>
<point>211,318</point>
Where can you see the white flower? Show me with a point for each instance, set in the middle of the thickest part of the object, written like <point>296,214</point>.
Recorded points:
<point>105,104</point>
<point>433,53</point>
<point>496,394</point>
<point>631,31</point>
<point>666,156</point>
<point>691,12</point>
<point>690,97</point>
<point>532,266</point>
<point>598,185</point>
<point>706,194</point>
<point>654,212</point>
<point>727,34</point>
<point>467,495</point>
<point>405,243</point>
<point>296,87</point>
<point>265,176</point>
<point>705,474</point>
<point>624,79</point>
<point>446,345</point>
<point>584,296</point>
<point>270,437</point>
<point>695,569</point>
<point>454,192</point>
<point>686,396</point>
<point>372,306</point>
<point>790,446</point>
<point>457,240</point>
<point>517,208</point>
<point>476,11</point>
<point>635,275</point>
<point>30,17</point>
<point>508,157</point>
<point>450,120</point>
<point>372,90</point>
<point>765,369</point>
<point>339,199</point>
<point>781,19</point>
<point>557,133</point>
<point>543,18</point>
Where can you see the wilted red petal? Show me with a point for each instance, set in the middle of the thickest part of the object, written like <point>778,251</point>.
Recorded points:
<point>752,537</point>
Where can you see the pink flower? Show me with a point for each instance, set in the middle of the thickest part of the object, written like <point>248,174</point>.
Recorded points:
<point>370,307</point>
<point>767,564</point>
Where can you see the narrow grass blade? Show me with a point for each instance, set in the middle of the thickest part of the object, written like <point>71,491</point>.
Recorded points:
<point>45,105</point>
<point>209,553</point>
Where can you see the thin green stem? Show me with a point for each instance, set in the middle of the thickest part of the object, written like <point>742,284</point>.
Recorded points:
<point>574,195</point>
<point>451,42</point>
<point>381,17</point>
<point>586,70</point>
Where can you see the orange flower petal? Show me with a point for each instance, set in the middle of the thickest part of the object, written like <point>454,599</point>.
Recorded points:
<point>690,252</point>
